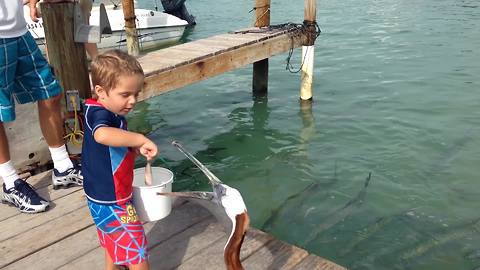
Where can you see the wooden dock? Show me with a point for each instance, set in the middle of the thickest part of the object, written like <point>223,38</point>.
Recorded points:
<point>174,67</point>
<point>65,238</point>
<point>169,69</point>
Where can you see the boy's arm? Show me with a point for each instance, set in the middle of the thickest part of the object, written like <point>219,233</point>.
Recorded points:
<point>117,137</point>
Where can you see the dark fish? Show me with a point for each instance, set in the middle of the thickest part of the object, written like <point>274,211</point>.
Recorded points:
<point>452,151</point>
<point>291,202</point>
<point>455,233</point>
<point>474,255</point>
<point>340,214</point>
<point>370,230</point>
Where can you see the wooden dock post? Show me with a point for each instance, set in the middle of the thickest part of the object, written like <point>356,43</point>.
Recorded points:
<point>68,58</point>
<point>130,27</point>
<point>308,50</point>
<point>260,68</point>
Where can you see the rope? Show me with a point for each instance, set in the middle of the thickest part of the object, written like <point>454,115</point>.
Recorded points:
<point>255,8</point>
<point>76,135</point>
<point>298,30</point>
<point>304,28</point>
<point>261,16</point>
<point>289,65</point>
<point>115,4</point>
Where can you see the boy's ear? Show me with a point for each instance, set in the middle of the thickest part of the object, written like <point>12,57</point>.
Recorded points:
<point>99,91</point>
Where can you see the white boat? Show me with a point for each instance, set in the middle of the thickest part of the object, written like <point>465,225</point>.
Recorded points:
<point>155,28</point>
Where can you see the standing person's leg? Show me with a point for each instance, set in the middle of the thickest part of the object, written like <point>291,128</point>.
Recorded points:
<point>4,148</point>
<point>15,191</point>
<point>35,82</point>
<point>7,170</point>
<point>51,120</point>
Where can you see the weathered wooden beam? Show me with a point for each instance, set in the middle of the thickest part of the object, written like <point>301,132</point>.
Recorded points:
<point>260,68</point>
<point>308,50</point>
<point>67,57</point>
<point>165,79</point>
<point>130,27</point>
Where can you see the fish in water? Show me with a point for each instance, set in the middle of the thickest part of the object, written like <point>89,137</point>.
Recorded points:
<point>230,200</point>
<point>297,199</point>
<point>451,153</point>
<point>455,233</point>
<point>340,214</point>
<point>370,230</point>
<point>474,255</point>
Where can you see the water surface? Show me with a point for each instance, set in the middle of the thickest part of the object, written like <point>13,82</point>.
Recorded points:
<point>396,94</point>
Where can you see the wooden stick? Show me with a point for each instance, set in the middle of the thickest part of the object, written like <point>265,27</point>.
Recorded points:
<point>262,13</point>
<point>308,52</point>
<point>310,10</point>
<point>130,27</point>
<point>67,57</point>
<point>148,173</point>
<point>308,55</point>
<point>260,68</point>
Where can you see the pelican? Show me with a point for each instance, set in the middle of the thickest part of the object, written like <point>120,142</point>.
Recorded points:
<point>231,201</point>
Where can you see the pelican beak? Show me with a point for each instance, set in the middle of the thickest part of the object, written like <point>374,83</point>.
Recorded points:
<point>209,196</point>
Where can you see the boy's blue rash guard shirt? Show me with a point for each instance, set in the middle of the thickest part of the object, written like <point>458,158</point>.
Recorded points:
<point>107,171</point>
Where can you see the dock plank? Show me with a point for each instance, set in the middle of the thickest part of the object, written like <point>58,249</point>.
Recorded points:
<point>181,219</point>
<point>24,223</point>
<point>213,255</point>
<point>173,253</point>
<point>312,262</point>
<point>61,253</point>
<point>190,236</point>
<point>22,245</point>
<point>245,49</point>
<point>42,184</point>
<point>7,211</point>
<point>217,45</point>
<point>275,255</point>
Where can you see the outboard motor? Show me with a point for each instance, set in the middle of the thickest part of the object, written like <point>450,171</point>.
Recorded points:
<point>177,8</point>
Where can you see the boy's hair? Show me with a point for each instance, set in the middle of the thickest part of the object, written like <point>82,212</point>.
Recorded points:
<point>108,67</point>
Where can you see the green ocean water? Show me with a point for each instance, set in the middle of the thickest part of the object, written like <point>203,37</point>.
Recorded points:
<point>396,94</point>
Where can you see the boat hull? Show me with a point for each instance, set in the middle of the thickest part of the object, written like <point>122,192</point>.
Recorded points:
<point>155,29</point>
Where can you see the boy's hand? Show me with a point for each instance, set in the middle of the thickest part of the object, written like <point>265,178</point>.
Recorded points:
<point>148,149</point>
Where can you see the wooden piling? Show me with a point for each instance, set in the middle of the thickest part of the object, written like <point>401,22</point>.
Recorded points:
<point>260,68</point>
<point>130,27</point>
<point>308,50</point>
<point>67,57</point>
<point>310,13</point>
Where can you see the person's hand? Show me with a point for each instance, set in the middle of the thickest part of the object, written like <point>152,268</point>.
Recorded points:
<point>34,5</point>
<point>34,13</point>
<point>58,1</point>
<point>148,149</point>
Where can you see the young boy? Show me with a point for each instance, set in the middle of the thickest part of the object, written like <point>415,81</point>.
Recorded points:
<point>108,157</point>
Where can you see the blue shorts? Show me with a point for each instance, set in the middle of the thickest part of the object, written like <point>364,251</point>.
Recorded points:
<point>120,232</point>
<point>24,74</point>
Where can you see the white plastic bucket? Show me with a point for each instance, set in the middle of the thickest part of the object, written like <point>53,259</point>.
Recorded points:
<point>149,205</point>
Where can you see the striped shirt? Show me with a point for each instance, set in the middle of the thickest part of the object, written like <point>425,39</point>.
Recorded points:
<point>107,171</point>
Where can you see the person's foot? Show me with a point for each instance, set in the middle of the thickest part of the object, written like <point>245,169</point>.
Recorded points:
<point>24,197</point>
<point>70,176</point>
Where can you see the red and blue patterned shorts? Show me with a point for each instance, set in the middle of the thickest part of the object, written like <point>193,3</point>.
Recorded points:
<point>120,232</point>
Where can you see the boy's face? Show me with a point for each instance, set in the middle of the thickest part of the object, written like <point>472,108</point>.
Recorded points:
<point>122,98</point>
